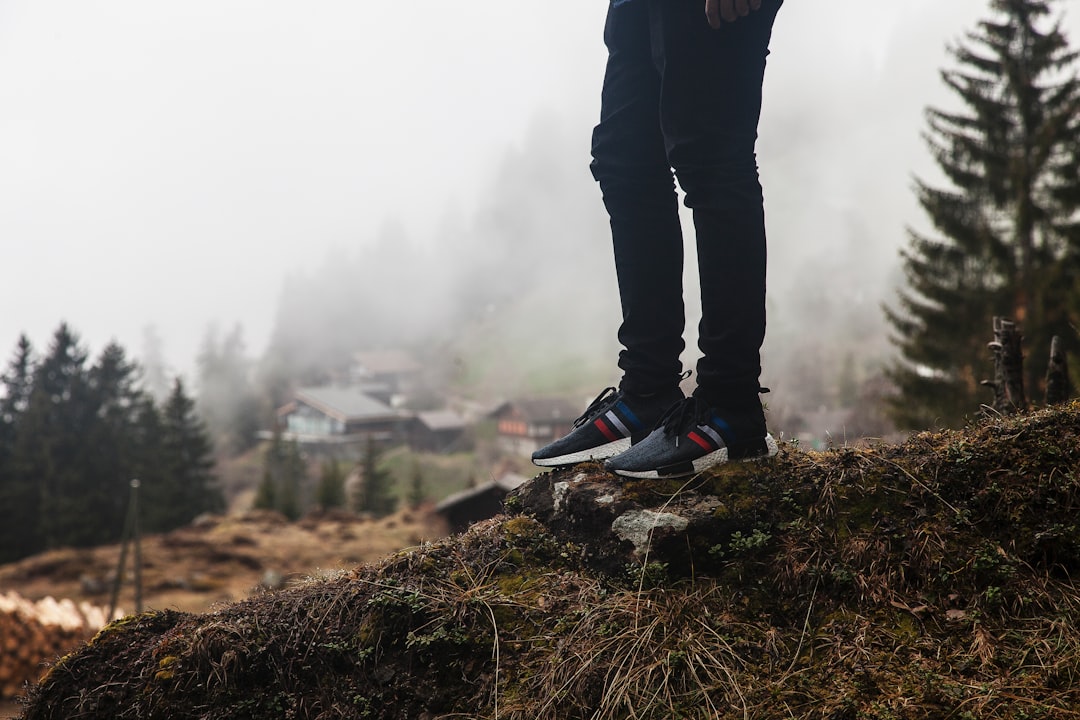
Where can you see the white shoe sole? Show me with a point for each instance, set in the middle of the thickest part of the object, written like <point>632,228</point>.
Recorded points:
<point>601,452</point>
<point>704,462</point>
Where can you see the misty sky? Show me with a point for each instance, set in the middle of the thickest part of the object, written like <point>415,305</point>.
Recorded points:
<point>171,162</point>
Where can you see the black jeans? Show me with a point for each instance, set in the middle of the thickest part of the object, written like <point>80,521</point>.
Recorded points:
<point>680,96</point>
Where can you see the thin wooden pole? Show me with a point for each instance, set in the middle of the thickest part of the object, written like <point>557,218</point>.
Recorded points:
<point>131,531</point>
<point>137,532</point>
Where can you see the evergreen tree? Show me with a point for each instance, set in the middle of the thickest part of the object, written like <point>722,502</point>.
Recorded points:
<point>284,474</point>
<point>17,382</point>
<point>150,468</point>
<point>188,463</point>
<point>376,493</point>
<point>18,494</point>
<point>72,438</point>
<point>51,439</point>
<point>1009,232</point>
<point>108,456</point>
<point>266,493</point>
<point>417,491</point>
<point>330,492</point>
<point>292,477</point>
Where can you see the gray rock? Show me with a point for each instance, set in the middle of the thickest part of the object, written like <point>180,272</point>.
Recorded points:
<point>619,524</point>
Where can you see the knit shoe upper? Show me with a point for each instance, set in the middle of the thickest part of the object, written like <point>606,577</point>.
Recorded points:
<point>691,437</point>
<point>611,424</point>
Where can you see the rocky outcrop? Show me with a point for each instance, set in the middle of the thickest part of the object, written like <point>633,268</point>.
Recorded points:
<point>683,524</point>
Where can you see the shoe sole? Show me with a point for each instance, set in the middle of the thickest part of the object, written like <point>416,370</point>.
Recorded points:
<point>704,462</point>
<point>600,452</point>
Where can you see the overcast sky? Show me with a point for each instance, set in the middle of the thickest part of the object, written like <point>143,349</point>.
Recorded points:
<point>170,162</point>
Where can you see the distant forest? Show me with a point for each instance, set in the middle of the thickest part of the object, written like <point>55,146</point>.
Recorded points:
<point>75,433</point>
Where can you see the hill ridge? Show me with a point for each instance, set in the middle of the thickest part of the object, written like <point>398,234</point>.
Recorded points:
<point>928,579</point>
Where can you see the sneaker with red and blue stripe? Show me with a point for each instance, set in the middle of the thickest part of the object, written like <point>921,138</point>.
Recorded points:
<point>611,424</point>
<point>692,437</point>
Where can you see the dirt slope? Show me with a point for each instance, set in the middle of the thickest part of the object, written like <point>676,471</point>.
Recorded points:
<point>932,579</point>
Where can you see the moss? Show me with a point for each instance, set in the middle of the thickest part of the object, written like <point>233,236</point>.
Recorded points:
<point>532,544</point>
<point>165,670</point>
<point>120,626</point>
<point>522,530</point>
<point>514,583</point>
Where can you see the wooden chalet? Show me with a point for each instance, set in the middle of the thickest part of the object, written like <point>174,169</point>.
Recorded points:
<point>332,414</point>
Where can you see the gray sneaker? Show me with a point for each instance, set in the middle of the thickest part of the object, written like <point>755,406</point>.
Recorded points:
<point>692,437</point>
<point>613,422</point>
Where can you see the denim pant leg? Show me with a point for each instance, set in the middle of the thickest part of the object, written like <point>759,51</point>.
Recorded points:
<point>710,105</point>
<point>631,165</point>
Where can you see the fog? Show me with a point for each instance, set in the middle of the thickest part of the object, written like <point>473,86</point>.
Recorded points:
<point>298,168</point>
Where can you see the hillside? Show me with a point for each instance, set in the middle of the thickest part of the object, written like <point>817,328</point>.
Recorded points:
<point>220,559</point>
<point>931,579</point>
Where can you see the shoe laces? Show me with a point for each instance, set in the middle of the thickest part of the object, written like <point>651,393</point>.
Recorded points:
<point>681,416</point>
<point>606,396</point>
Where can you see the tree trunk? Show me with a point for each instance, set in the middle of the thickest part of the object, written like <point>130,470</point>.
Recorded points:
<point>1057,374</point>
<point>1008,382</point>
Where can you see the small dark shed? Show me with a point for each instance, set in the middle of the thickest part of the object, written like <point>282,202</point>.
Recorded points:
<point>484,501</point>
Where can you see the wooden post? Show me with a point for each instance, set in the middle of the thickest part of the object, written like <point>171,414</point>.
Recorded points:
<point>131,532</point>
<point>1057,374</point>
<point>1008,383</point>
<point>137,532</point>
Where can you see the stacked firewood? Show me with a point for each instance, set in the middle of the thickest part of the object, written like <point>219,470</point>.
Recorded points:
<point>33,634</point>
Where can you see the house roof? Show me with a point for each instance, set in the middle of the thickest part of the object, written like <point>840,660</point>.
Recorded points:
<point>510,481</point>
<point>345,403</point>
<point>505,482</point>
<point>441,420</point>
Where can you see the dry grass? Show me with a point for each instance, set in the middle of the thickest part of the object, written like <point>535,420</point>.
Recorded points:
<point>222,559</point>
<point>930,580</point>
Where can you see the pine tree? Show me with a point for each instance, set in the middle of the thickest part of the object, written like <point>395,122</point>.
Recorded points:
<point>17,383</point>
<point>18,495</point>
<point>292,477</point>
<point>187,459</point>
<point>150,468</point>
<point>284,473</point>
<point>417,491</point>
<point>266,493</point>
<point>108,455</point>
<point>376,493</point>
<point>330,492</point>
<point>1009,231</point>
<point>72,438</point>
<point>51,440</point>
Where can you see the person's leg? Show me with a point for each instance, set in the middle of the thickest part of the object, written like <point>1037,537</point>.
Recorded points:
<point>710,106</point>
<point>630,163</point>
